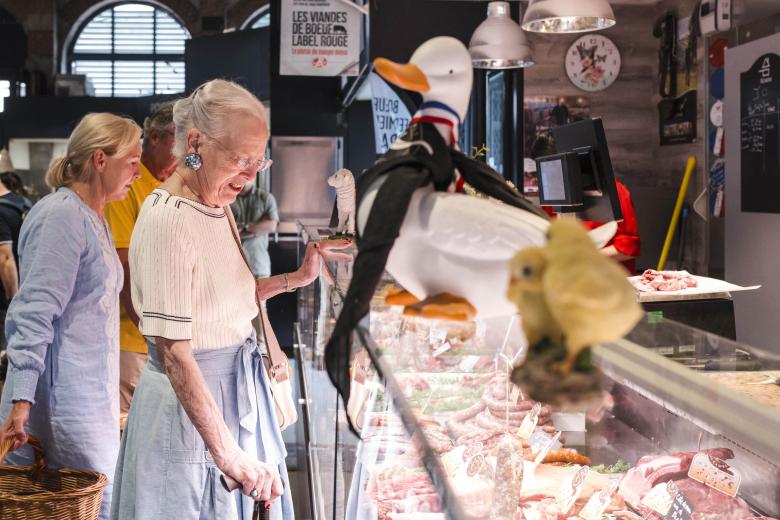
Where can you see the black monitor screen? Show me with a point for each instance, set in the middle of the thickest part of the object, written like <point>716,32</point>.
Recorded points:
<point>588,136</point>
<point>552,180</point>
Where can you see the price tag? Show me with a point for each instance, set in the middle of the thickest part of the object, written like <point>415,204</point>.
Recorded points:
<point>681,507</point>
<point>659,499</point>
<point>453,460</point>
<point>599,502</point>
<point>530,421</point>
<point>571,488</point>
<point>438,335</point>
<point>715,473</point>
<point>515,394</point>
<point>481,328</point>
<point>469,363</point>
<point>541,443</point>
<point>472,450</point>
<point>667,500</point>
<point>442,349</point>
<point>474,466</point>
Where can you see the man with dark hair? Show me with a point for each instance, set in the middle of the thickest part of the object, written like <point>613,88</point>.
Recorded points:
<point>157,164</point>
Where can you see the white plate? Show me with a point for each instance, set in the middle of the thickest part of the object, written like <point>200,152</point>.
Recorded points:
<point>707,288</point>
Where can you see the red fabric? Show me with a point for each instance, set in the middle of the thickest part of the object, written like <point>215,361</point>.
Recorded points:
<point>437,120</point>
<point>626,239</point>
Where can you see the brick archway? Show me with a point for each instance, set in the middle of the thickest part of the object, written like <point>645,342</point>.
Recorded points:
<point>73,12</point>
<point>70,13</point>
<point>242,10</point>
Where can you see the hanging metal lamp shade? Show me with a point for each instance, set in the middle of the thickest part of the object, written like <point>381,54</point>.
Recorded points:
<point>499,42</point>
<point>568,16</point>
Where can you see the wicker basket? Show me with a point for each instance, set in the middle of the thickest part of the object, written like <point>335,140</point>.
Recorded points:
<point>40,493</point>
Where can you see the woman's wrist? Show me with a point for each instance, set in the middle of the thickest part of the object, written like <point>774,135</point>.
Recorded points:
<point>295,280</point>
<point>225,456</point>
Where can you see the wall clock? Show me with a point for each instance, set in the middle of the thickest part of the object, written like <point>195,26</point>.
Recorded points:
<point>593,62</point>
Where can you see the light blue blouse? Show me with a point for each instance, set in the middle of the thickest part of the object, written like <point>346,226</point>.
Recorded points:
<point>62,329</point>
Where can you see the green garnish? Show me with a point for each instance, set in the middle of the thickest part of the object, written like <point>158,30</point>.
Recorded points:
<point>620,466</point>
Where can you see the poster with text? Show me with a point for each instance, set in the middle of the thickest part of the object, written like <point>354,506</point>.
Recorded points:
<point>320,38</point>
<point>391,117</point>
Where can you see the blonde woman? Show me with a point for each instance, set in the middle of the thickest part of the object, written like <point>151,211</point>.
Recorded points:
<point>63,325</point>
<point>202,405</point>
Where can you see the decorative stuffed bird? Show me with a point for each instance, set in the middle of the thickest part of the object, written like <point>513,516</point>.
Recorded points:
<point>569,297</point>
<point>448,249</point>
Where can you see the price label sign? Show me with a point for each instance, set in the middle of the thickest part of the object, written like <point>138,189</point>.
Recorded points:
<point>541,443</point>
<point>530,421</point>
<point>571,488</point>
<point>715,473</point>
<point>453,460</point>
<point>681,507</point>
<point>442,349</point>
<point>659,499</point>
<point>515,394</point>
<point>667,500</point>
<point>599,502</point>
<point>469,363</point>
<point>438,335</point>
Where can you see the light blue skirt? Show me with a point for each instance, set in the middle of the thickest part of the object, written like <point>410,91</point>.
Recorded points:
<point>164,470</point>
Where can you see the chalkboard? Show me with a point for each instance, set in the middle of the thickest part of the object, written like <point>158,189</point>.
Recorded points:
<point>760,135</point>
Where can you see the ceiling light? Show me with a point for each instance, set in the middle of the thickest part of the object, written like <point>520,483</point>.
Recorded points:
<point>499,42</point>
<point>568,16</point>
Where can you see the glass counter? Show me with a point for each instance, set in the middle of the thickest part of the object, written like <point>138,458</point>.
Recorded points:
<point>445,434</point>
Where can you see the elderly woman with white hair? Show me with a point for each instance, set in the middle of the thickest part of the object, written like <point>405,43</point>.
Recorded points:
<point>202,404</point>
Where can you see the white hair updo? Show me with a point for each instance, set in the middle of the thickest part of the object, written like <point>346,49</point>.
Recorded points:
<point>210,108</point>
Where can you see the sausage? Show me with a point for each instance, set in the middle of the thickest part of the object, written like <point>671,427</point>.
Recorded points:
<point>468,413</point>
<point>503,413</point>
<point>502,404</point>
<point>508,480</point>
<point>567,455</point>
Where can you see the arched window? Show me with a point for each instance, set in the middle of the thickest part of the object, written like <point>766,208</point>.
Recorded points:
<point>130,49</point>
<point>260,18</point>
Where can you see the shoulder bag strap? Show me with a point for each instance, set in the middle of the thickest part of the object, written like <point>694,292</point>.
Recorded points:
<point>279,364</point>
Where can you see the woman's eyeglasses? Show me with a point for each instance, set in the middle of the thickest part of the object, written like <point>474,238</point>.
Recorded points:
<point>244,163</point>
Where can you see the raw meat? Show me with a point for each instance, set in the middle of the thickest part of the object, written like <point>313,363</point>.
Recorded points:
<point>707,503</point>
<point>474,495</point>
<point>545,509</point>
<point>652,281</point>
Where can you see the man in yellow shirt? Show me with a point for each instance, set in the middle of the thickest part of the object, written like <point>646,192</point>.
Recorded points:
<point>157,164</point>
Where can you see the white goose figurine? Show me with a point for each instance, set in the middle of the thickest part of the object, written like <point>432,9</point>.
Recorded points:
<point>453,248</point>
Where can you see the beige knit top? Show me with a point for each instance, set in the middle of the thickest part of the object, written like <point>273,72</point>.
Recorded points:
<point>189,280</point>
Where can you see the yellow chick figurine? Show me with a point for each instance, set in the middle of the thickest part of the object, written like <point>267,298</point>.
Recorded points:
<point>569,297</point>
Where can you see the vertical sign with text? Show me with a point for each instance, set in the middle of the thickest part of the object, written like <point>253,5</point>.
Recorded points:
<point>391,117</point>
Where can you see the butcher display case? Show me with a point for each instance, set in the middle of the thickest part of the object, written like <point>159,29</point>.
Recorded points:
<point>685,426</point>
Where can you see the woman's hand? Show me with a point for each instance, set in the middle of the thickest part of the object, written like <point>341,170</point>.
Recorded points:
<point>14,426</point>
<point>254,475</point>
<point>315,253</point>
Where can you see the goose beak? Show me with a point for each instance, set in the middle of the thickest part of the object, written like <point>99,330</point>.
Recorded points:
<point>408,76</point>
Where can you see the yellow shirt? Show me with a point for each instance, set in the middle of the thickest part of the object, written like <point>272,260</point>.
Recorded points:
<point>121,216</point>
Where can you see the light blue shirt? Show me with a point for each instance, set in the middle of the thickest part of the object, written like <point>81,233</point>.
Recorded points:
<point>62,329</point>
